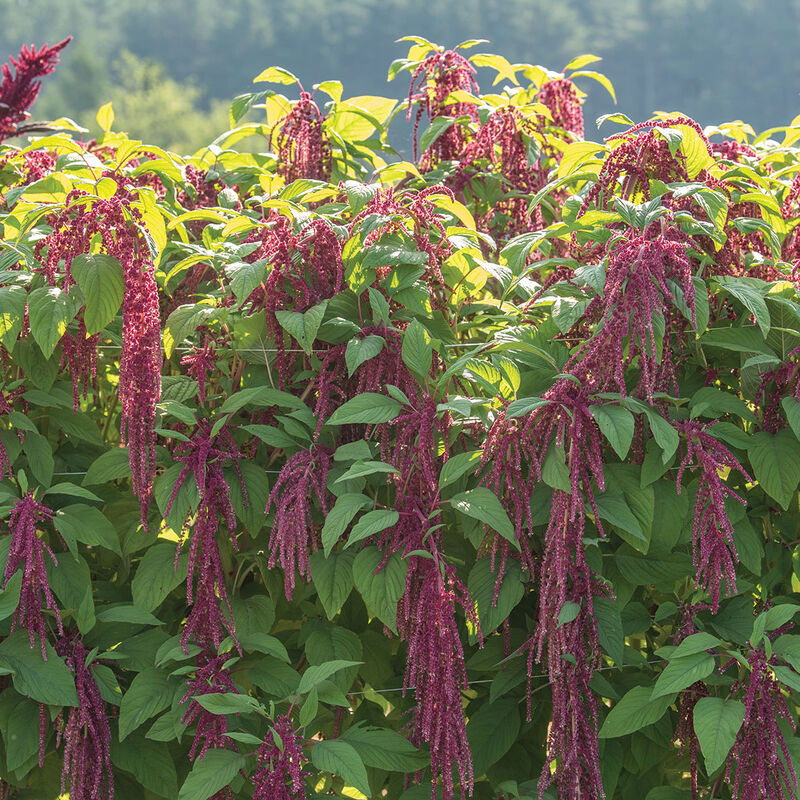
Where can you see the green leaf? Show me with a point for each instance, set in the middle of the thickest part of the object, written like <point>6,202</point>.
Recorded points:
<point>88,525</point>
<point>245,277</point>
<point>49,682</point>
<point>437,127</point>
<point>696,643</point>
<point>21,733</point>
<point>214,771</point>
<point>9,597</point>
<point>40,457</point>
<point>481,584</point>
<point>523,406</point>
<point>371,523</point>
<point>368,408</point>
<point>362,469</point>
<point>458,465</point>
<point>261,396</point>
<point>12,314</point>
<point>110,466</point>
<point>568,612</point>
<point>417,350</point>
<point>340,516</point>
<point>332,576</point>
<point>740,340</point>
<point>382,748</point>
<point>716,723</point>
<point>775,459</point>
<point>303,327</point>
<point>360,350</point>
<point>791,408</point>
<point>50,310</point>
<point>636,710</point>
<point>750,293</point>
<point>103,284</point>
<point>222,703</point>
<point>482,504</point>
<point>491,731</point>
<point>682,672</point>
<point>72,490</point>
<point>315,674</point>
<point>129,615</point>
<point>182,323</point>
<point>340,758</point>
<point>150,692</point>
<point>149,762</point>
<point>617,425</point>
<point>156,575</point>
<point>381,590</point>
<point>71,581</point>
<point>609,628</point>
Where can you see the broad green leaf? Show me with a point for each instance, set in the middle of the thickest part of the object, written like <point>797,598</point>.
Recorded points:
<point>682,672</point>
<point>71,580</point>
<point>315,674</point>
<point>157,574</point>
<point>491,731</point>
<point>214,771</point>
<point>696,643</point>
<point>482,504</point>
<point>617,425</point>
<point>50,310</point>
<point>609,628</point>
<point>371,523</point>
<point>49,681</point>
<point>482,583</point>
<point>148,761</point>
<point>368,408</point>
<point>303,327</point>
<point>260,396</point>
<point>775,459</point>
<point>102,283</point>
<point>183,322</point>
<point>382,748</point>
<point>380,589</point>
<point>245,277</point>
<point>341,758</point>
<point>40,457</point>
<point>716,723</point>
<point>150,692</point>
<point>458,465</point>
<point>636,710</point>
<point>750,292</point>
<point>110,466</point>
<point>87,524</point>
<point>222,703</point>
<point>12,314</point>
<point>417,350</point>
<point>128,614</point>
<point>340,516</point>
<point>791,408</point>
<point>360,350</point>
<point>332,576</point>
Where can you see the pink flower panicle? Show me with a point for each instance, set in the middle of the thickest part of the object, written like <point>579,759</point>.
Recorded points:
<point>19,91</point>
<point>79,352</point>
<point>760,758</point>
<point>730,150</point>
<point>561,98</point>
<point>116,223</point>
<point>573,654</point>
<point>440,74</point>
<point>293,536</point>
<point>775,385</point>
<point>303,147</point>
<point>435,669</point>
<point>210,677</point>
<point>87,773</point>
<point>28,550</point>
<point>279,773</point>
<point>6,399</point>
<point>306,269</point>
<point>712,532</point>
<point>200,362</point>
<point>204,456</point>
<point>501,142</point>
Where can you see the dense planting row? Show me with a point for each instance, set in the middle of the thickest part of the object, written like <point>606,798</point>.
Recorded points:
<point>329,474</point>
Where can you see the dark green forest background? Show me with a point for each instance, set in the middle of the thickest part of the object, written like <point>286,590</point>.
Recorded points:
<point>171,66</point>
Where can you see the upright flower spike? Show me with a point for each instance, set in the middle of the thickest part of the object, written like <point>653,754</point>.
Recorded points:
<point>279,773</point>
<point>760,765</point>
<point>19,89</point>
<point>712,531</point>
<point>28,551</point>
<point>561,98</point>
<point>87,773</point>
<point>303,148</point>
<point>434,80</point>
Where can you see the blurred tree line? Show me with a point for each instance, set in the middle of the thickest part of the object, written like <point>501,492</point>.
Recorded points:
<point>171,68</point>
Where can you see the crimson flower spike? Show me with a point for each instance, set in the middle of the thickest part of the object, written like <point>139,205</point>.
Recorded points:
<point>279,774</point>
<point>28,550</point>
<point>87,773</point>
<point>303,149</point>
<point>19,91</point>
